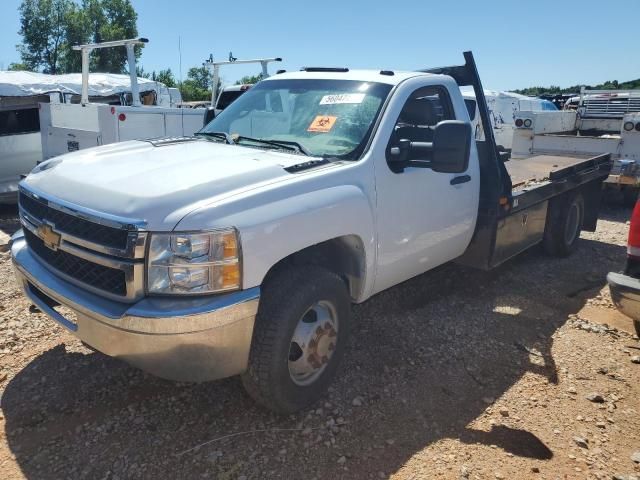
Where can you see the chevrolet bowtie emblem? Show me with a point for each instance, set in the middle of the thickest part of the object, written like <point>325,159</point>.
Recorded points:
<point>48,236</point>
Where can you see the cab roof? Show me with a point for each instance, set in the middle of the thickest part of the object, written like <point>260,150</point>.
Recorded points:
<point>389,77</point>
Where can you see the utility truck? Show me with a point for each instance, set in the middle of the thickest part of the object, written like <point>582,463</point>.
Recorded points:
<point>240,251</point>
<point>596,122</point>
<point>67,127</point>
<point>504,107</point>
<point>25,114</point>
<point>223,97</point>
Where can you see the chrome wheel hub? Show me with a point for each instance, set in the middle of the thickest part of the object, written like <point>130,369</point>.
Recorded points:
<point>313,343</point>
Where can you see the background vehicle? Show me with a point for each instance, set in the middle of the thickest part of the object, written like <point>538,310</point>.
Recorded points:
<point>240,252</point>
<point>228,94</point>
<point>599,121</point>
<point>20,144</point>
<point>503,109</point>
<point>625,286</point>
<point>23,96</point>
<point>85,123</point>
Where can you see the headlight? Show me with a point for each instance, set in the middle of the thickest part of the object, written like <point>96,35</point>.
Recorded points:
<point>194,263</point>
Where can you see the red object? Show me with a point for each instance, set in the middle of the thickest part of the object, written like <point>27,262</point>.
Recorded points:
<point>633,244</point>
<point>519,122</point>
<point>113,110</point>
<point>122,117</point>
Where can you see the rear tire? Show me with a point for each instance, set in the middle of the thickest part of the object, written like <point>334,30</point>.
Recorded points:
<point>564,224</point>
<point>629,196</point>
<point>299,338</point>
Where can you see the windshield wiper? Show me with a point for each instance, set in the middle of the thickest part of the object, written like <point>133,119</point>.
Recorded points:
<point>300,148</point>
<point>222,135</point>
<point>292,146</point>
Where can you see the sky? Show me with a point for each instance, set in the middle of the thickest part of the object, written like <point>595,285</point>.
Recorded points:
<point>516,44</point>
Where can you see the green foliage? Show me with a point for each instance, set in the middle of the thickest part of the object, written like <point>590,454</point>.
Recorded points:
<point>43,28</point>
<point>197,86</point>
<point>608,85</point>
<point>140,73</point>
<point>15,67</point>
<point>166,77</point>
<point>50,28</point>
<point>111,20</point>
<point>249,79</point>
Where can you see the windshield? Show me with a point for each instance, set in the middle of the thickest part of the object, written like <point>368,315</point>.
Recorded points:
<point>332,118</point>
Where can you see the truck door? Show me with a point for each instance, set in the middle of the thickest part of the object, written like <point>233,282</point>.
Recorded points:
<point>425,218</point>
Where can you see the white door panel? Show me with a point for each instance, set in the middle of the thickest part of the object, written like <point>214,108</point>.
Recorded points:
<point>422,219</point>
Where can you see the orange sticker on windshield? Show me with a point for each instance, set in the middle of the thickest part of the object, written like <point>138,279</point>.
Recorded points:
<point>322,123</point>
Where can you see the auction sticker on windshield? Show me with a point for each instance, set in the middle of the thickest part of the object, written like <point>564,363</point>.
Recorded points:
<point>342,98</point>
<point>322,123</point>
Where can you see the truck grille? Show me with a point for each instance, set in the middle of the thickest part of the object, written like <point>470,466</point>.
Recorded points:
<point>103,254</point>
<point>76,226</point>
<point>104,278</point>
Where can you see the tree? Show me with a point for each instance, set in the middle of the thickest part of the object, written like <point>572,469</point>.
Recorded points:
<point>250,79</point>
<point>110,20</point>
<point>197,86</point>
<point>50,28</point>
<point>608,85</point>
<point>43,28</point>
<point>78,28</point>
<point>17,67</point>
<point>140,73</point>
<point>166,77</point>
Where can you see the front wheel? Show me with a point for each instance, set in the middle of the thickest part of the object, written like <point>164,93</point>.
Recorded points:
<point>299,338</point>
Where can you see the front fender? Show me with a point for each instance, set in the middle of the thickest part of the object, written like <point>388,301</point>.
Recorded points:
<point>272,230</point>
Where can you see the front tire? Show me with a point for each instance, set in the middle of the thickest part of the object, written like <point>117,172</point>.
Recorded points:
<point>564,224</point>
<point>299,338</point>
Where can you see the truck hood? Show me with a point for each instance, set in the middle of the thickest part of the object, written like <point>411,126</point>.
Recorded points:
<point>157,182</point>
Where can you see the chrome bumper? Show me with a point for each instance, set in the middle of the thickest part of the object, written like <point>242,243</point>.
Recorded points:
<point>625,293</point>
<point>184,339</point>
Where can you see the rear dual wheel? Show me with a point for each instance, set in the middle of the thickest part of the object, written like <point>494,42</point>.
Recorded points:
<point>564,224</point>
<point>299,338</point>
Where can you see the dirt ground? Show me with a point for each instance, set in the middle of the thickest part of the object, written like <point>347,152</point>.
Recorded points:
<point>454,374</point>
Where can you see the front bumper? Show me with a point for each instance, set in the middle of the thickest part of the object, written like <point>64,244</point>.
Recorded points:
<point>625,293</point>
<point>184,339</point>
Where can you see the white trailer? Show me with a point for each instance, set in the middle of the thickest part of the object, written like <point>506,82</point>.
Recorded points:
<point>69,127</point>
<point>503,109</point>
<point>20,144</point>
<point>603,122</point>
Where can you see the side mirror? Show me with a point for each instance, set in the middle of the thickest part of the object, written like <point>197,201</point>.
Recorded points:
<point>209,114</point>
<point>451,144</point>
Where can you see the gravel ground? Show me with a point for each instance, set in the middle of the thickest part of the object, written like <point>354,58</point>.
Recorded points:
<point>454,374</point>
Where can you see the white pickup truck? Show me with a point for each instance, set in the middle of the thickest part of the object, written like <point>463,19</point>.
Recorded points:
<point>240,251</point>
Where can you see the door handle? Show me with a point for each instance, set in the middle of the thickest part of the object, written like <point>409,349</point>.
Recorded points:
<point>460,179</point>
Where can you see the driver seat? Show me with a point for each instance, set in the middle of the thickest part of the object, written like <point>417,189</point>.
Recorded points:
<point>417,121</point>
